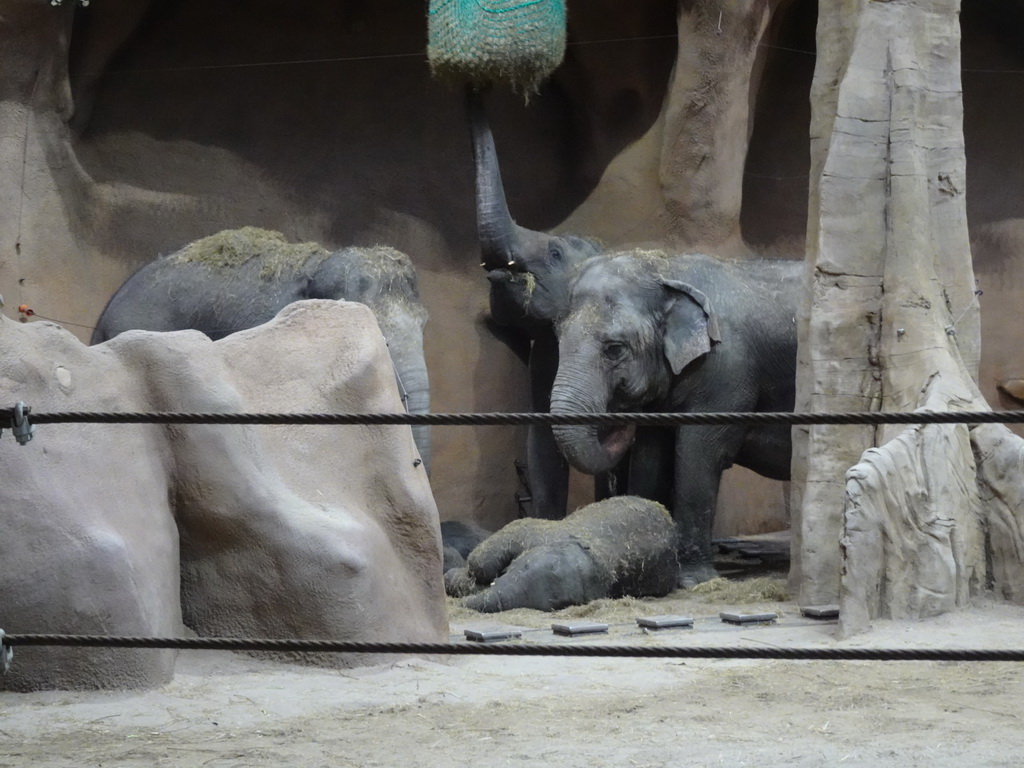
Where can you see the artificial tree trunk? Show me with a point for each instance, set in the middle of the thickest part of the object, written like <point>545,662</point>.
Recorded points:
<point>891,521</point>
<point>707,119</point>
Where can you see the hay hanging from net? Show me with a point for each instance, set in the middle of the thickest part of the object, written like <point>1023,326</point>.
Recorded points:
<point>517,42</point>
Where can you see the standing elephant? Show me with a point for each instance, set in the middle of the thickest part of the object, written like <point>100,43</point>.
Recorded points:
<point>645,331</point>
<point>238,279</point>
<point>529,273</point>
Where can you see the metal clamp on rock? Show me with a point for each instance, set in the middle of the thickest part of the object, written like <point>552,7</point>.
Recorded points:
<point>20,426</point>
<point>6,655</point>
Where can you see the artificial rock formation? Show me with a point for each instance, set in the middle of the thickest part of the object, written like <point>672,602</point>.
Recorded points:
<point>707,120</point>
<point>621,546</point>
<point>282,531</point>
<point>891,323</point>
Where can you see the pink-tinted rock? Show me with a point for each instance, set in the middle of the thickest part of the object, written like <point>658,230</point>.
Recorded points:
<point>282,531</point>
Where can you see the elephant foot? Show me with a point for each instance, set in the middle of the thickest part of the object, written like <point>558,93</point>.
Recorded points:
<point>459,583</point>
<point>696,573</point>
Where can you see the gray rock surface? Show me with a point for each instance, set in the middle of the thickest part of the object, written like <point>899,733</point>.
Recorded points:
<point>283,531</point>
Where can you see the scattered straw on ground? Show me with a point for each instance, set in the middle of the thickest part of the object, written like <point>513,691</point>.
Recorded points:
<point>707,598</point>
<point>745,591</point>
<point>613,611</point>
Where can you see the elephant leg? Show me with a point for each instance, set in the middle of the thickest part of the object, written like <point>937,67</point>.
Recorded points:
<point>547,471</point>
<point>702,453</point>
<point>651,465</point>
<point>645,471</point>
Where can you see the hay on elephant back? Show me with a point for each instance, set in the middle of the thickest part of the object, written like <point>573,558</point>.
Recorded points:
<point>517,42</point>
<point>231,248</point>
<point>382,262</point>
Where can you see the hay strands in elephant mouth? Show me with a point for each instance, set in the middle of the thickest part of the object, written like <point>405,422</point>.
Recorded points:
<point>616,439</point>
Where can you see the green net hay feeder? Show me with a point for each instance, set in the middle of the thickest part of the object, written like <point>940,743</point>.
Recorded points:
<point>516,42</point>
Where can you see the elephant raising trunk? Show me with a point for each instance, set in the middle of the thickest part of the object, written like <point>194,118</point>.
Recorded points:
<point>500,238</point>
<point>529,273</point>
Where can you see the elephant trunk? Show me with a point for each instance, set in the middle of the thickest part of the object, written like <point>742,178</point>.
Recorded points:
<point>590,448</point>
<point>406,350</point>
<point>418,401</point>
<point>499,234</point>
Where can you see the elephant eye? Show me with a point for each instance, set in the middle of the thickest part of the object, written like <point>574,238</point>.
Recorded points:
<point>614,350</point>
<point>555,252</point>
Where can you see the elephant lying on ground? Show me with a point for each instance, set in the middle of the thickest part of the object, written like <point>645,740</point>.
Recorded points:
<point>238,279</point>
<point>646,331</point>
<point>613,548</point>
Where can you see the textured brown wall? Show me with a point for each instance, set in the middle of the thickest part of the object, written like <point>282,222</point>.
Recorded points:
<point>993,84</point>
<point>320,119</point>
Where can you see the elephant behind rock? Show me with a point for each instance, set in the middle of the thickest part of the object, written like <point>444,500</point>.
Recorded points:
<point>238,279</point>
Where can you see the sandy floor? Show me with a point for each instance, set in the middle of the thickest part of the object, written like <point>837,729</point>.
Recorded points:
<point>226,710</point>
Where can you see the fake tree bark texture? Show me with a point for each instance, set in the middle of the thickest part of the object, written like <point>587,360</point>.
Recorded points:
<point>707,118</point>
<point>890,323</point>
<point>913,541</point>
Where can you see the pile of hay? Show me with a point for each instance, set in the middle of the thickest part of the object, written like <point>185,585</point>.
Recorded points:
<point>517,42</point>
<point>233,247</point>
<point>760,590</point>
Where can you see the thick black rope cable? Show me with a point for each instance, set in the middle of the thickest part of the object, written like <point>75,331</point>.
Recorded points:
<point>515,649</point>
<point>536,649</point>
<point>476,419</point>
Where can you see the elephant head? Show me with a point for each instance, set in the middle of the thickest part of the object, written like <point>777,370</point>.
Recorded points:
<point>529,271</point>
<point>385,280</point>
<point>629,337</point>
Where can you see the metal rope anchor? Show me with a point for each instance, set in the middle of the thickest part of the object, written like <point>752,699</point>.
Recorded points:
<point>20,425</point>
<point>6,655</point>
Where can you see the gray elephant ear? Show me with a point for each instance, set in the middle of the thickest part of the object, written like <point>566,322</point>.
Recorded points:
<point>690,324</point>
